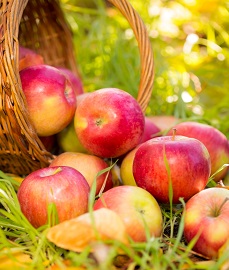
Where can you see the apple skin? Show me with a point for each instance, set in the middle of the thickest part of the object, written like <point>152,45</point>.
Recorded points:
<point>135,206</point>
<point>207,215</point>
<point>28,57</point>
<point>68,140</point>
<point>215,141</point>
<point>74,79</point>
<point>188,162</point>
<point>64,186</point>
<point>126,168</point>
<point>80,97</point>
<point>109,122</point>
<point>88,165</point>
<point>50,98</point>
<point>150,130</point>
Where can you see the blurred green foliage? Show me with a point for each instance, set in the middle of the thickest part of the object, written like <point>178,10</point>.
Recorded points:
<point>191,53</point>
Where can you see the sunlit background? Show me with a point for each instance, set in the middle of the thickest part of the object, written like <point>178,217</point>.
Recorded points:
<point>190,40</point>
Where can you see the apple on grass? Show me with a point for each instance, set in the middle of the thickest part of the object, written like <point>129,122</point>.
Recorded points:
<point>64,186</point>
<point>137,208</point>
<point>89,166</point>
<point>214,140</point>
<point>176,163</point>
<point>50,98</point>
<point>109,122</point>
<point>206,218</point>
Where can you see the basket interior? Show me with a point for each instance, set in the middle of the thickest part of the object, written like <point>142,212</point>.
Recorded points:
<point>43,28</point>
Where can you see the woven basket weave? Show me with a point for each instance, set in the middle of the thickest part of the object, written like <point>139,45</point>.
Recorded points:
<point>41,26</point>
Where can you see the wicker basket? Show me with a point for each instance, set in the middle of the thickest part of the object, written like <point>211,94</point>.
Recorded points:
<point>40,25</point>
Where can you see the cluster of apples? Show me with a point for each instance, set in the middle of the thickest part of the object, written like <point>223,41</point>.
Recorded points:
<point>152,167</point>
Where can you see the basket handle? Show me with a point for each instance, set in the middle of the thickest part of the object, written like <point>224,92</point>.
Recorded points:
<point>145,49</point>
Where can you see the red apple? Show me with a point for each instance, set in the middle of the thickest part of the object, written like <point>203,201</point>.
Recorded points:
<point>150,130</point>
<point>89,166</point>
<point>50,98</point>
<point>215,141</point>
<point>74,79</point>
<point>206,217</point>
<point>184,162</point>
<point>109,122</point>
<point>137,208</point>
<point>28,57</point>
<point>63,186</point>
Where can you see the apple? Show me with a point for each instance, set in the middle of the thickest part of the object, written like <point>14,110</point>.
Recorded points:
<point>126,168</point>
<point>206,216</point>
<point>163,122</point>
<point>28,57</point>
<point>215,141</point>
<point>74,79</point>
<point>68,141</point>
<point>150,130</point>
<point>137,208</point>
<point>50,98</point>
<point>64,186</point>
<point>184,162</point>
<point>109,122</point>
<point>89,166</point>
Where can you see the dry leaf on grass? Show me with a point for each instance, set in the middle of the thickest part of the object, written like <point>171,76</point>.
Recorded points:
<point>78,233</point>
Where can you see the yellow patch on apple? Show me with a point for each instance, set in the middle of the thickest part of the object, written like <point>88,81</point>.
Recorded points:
<point>80,123</point>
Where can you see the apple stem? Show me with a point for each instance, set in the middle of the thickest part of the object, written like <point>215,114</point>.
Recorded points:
<point>225,200</point>
<point>57,170</point>
<point>174,134</point>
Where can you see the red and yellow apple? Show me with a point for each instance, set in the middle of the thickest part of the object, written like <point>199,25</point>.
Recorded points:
<point>109,122</point>
<point>64,186</point>
<point>214,140</point>
<point>50,98</point>
<point>172,163</point>
<point>206,218</point>
<point>137,208</point>
<point>89,166</point>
